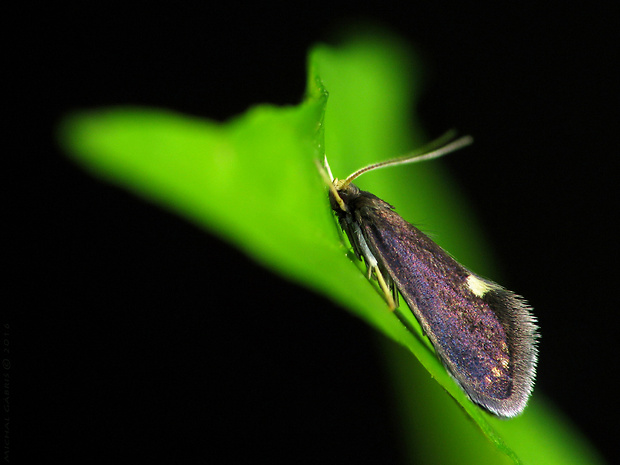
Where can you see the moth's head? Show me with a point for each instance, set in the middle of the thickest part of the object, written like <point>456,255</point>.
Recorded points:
<point>341,194</point>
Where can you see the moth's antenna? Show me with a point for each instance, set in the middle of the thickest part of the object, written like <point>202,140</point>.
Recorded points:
<point>327,168</point>
<point>412,157</point>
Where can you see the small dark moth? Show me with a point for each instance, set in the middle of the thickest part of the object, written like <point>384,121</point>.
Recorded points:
<point>484,335</point>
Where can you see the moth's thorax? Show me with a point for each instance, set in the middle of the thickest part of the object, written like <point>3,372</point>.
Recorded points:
<point>356,199</point>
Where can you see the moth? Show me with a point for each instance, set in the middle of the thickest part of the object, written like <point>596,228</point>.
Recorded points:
<point>485,335</point>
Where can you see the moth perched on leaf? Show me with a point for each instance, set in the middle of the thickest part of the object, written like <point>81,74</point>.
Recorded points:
<point>484,335</point>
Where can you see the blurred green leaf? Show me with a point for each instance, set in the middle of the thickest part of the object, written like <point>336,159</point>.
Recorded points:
<point>246,179</point>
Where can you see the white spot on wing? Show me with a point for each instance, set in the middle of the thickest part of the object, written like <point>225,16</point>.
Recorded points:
<point>478,286</point>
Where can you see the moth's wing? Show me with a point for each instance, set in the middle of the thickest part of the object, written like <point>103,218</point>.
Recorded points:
<point>484,334</point>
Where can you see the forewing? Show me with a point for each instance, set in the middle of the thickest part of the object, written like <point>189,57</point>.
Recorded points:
<point>484,334</point>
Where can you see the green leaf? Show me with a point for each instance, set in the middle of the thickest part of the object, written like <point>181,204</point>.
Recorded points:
<point>241,178</point>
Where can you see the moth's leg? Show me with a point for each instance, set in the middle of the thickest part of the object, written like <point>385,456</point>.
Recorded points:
<point>373,265</point>
<point>392,286</point>
<point>387,292</point>
<point>346,223</point>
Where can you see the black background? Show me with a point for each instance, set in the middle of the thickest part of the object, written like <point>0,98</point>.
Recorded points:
<point>130,344</point>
